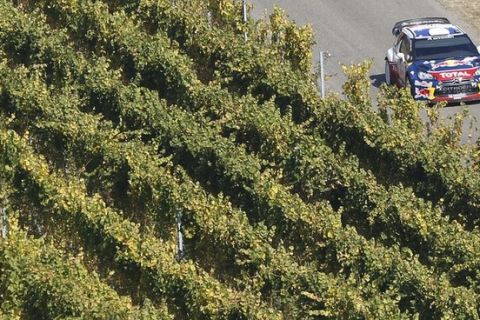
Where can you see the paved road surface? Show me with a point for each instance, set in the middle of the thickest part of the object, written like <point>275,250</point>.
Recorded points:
<point>356,30</point>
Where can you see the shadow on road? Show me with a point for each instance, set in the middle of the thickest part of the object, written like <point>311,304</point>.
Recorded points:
<point>377,79</point>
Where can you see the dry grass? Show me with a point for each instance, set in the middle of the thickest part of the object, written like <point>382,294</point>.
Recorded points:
<point>470,10</point>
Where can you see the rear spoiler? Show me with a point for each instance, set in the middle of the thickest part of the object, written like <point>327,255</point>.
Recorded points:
<point>415,22</point>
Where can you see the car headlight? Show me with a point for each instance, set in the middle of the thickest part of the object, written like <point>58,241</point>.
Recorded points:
<point>477,73</point>
<point>424,76</point>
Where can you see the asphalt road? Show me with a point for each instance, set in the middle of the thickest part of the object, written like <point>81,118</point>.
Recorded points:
<point>352,31</point>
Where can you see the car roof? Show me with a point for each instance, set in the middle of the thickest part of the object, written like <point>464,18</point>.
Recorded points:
<point>429,31</point>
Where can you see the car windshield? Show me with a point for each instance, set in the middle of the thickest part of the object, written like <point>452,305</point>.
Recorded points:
<point>444,48</point>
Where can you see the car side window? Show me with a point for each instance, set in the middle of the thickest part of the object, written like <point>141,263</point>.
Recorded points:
<point>405,46</point>
<point>399,42</point>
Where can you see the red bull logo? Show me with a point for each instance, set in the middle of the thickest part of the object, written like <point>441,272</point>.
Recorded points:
<point>454,63</point>
<point>448,63</point>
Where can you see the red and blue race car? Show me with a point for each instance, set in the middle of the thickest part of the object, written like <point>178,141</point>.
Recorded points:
<point>436,59</point>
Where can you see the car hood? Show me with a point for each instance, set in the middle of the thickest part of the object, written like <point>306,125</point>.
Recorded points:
<point>445,70</point>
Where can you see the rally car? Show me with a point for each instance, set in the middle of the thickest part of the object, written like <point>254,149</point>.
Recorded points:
<point>436,59</point>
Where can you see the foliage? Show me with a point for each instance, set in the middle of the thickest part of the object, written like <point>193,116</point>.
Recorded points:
<point>119,115</point>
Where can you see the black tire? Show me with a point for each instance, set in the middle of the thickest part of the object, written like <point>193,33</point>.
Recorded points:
<point>388,78</point>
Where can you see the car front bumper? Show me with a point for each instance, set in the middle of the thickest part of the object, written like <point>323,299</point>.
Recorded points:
<point>427,91</point>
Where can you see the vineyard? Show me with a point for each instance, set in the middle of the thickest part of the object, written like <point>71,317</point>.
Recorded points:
<point>126,125</point>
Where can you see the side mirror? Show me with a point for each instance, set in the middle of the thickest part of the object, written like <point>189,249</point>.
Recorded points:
<point>401,56</point>
<point>478,49</point>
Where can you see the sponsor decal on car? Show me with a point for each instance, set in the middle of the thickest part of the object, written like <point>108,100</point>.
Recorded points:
<point>451,63</point>
<point>454,74</point>
<point>423,83</point>
<point>428,93</point>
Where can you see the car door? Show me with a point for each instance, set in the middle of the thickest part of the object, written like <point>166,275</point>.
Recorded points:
<point>402,57</point>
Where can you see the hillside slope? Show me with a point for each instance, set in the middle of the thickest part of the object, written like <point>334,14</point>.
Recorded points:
<point>125,121</point>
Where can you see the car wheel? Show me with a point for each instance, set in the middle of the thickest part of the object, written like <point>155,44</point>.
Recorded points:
<point>388,77</point>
